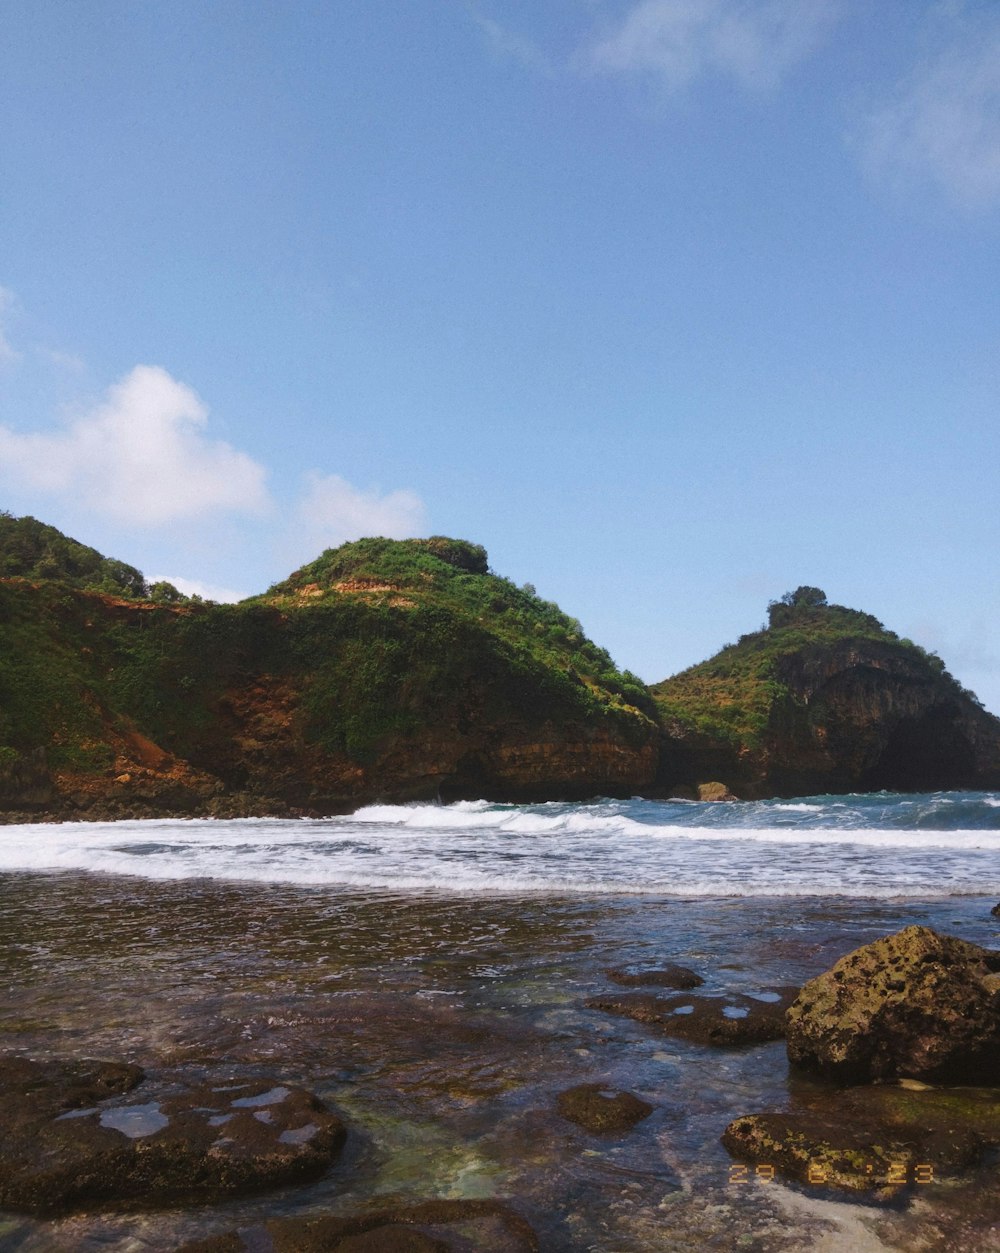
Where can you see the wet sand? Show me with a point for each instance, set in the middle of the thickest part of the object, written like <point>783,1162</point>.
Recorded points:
<point>443,1029</point>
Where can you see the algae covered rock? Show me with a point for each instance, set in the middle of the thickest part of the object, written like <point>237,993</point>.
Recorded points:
<point>730,1021</point>
<point>668,976</point>
<point>914,1004</point>
<point>877,1140</point>
<point>93,1135</point>
<point>601,1110</point>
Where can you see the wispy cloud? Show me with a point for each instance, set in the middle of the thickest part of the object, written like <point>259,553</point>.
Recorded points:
<point>508,43</point>
<point>676,42</point>
<point>142,456</point>
<point>333,511</point>
<point>941,125</point>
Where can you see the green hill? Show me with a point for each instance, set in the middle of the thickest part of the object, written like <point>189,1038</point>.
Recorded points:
<point>385,669</point>
<point>825,699</point>
<point>406,669</point>
<point>30,549</point>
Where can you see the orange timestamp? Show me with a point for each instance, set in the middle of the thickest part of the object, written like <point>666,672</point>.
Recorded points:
<point>893,1173</point>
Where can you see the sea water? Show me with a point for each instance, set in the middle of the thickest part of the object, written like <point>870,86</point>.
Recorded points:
<point>882,845</point>
<point>426,969</point>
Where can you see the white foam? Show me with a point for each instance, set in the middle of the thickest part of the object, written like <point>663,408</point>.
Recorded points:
<point>477,847</point>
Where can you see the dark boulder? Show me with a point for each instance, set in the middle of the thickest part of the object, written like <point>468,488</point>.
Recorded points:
<point>601,1110</point>
<point>914,1004</point>
<point>669,976</point>
<point>92,1135</point>
<point>879,1140</point>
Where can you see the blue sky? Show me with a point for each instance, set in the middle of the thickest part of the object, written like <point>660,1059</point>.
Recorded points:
<point>672,304</point>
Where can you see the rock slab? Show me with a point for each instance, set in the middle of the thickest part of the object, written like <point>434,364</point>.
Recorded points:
<point>597,1109</point>
<point>731,1021</point>
<point>92,1135</point>
<point>876,1140</point>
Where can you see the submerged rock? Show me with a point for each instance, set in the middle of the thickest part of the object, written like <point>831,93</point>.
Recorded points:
<point>914,1004</point>
<point>432,1227</point>
<point>69,1140</point>
<point>655,977</point>
<point>878,1140</point>
<point>599,1109</point>
<point>722,1021</point>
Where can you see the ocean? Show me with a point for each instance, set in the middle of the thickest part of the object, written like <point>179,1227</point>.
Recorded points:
<point>426,970</point>
<point>880,845</point>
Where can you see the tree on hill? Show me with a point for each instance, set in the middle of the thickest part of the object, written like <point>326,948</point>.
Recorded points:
<point>793,604</point>
<point>30,549</point>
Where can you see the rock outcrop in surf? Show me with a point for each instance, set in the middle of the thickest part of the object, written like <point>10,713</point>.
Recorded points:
<point>824,699</point>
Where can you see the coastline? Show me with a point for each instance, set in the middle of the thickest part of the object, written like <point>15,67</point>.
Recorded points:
<point>443,1030</point>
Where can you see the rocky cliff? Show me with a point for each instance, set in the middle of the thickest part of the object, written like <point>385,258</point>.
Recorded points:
<point>825,699</point>
<point>385,670</point>
<point>404,670</point>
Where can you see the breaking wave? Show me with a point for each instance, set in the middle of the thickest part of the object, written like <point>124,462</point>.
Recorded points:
<point>880,845</point>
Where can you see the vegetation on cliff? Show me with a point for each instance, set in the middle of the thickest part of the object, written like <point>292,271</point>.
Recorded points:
<point>407,669</point>
<point>731,696</point>
<point>383,668</point>
<point>32,550</point>
<point>825,698</point>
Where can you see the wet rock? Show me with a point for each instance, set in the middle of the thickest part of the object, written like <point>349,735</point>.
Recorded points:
<point>877,1140</point>
<point>598,1109</point>
<point>58,1086</point>
<point>915,1003</point>
<point>715,792</point>
<point>483,1226</point>
<point>724,1021</point>
<point>995,911</point>
<point>655,977</point>
<point>91,1135</point>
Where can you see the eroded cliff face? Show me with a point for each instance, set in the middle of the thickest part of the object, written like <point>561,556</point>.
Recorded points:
<point>120,709</point>
<point>870,716</point>
<point>260,745</point>
<point>850,715</point>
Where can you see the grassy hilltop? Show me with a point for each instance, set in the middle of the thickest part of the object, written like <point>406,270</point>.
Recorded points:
<point>384,668</point>
<point>406,669</point>
<point>825,699</point>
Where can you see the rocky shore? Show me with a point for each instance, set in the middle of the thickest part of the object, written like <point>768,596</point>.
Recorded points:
<point>295,1070</point>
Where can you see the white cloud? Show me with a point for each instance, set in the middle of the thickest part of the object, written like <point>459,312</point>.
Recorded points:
<point>194,587</point>
<point>754,42</point>
<point>140,457</point>
<point>942,124</point>
<point>7,352</point>
<point>332,511</point>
